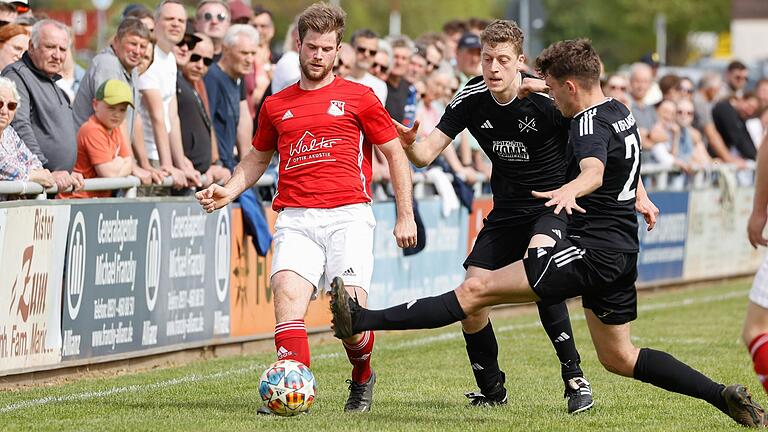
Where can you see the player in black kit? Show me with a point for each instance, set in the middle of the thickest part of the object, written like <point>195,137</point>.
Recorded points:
<point>526,140</point>
<point>596,260</point>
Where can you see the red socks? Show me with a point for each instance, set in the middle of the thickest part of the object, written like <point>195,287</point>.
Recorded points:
<point>291,341</point>
<point>359,355</point>
<point>758,349</point>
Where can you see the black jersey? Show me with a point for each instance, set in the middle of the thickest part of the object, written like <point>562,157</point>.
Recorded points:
<point>525,139</point>
<point>607,132</point>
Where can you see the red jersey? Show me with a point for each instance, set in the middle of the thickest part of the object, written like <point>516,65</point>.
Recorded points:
<point>324,139</point>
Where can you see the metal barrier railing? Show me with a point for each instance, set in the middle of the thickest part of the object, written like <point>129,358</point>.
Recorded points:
<point>655,176</point>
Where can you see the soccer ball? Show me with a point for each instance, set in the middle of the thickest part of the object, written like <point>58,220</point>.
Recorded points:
<point>287,388</point>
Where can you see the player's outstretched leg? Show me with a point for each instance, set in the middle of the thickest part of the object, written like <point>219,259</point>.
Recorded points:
<point>556,322</point>
<point>350,318</point>
<point>483,352</point>
<point>618,355</point>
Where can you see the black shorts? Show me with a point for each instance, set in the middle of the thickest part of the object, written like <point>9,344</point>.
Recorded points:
<point>605,280</point>
<point>504,240</point>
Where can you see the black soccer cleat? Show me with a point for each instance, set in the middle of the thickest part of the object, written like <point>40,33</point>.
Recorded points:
<point>360,395</point>
<point>477,399</point>
<point>343,308</point>
<point>579,395</point>
<point>742,409</point>
<point>493,397</point>
<point>263,410</point>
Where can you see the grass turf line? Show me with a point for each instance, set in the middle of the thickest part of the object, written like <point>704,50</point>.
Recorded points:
<point>422,377</point>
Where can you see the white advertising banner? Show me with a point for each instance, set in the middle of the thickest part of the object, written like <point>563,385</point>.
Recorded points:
<point>31,269</point>
<point>717,243</point>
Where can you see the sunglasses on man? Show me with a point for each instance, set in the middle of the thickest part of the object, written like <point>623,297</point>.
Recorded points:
<point>220,17</point>
<point>370,52</point>
<point>194,58</point>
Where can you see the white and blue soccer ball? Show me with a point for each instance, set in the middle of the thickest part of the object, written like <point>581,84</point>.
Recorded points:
<point>287,388</point>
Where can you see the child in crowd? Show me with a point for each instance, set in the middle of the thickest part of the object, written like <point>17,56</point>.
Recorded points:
<point>101,148</point>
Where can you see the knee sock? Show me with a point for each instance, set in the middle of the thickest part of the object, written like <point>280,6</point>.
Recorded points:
<point>291,341</point>
<point>483,352</point>
<point>557,324</point>
<point>663,370</point>
<point>428,312</point>
<point>758,349</point>
<point>359,355</point>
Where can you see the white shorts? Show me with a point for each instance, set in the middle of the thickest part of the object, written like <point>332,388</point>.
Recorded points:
<point>320,244</point>
<point>759,292</point>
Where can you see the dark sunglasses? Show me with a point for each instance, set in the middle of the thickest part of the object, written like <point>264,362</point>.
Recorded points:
<point>194,58</point>
<point>220,17</point>
<point>381,67</point>
<point>11,105</point>
<point>370,52</point>
<point>430,65</point>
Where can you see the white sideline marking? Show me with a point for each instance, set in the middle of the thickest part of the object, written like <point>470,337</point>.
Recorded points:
<point>408,344</point>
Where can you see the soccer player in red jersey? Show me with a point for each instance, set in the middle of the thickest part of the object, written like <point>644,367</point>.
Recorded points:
<point>324,129</point>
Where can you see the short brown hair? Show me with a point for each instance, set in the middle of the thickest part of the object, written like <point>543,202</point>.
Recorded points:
<point>132,27</point>
<point>573,58</point>
<point>9,31</point>
<point>322,18</point>
<point>503,31</point>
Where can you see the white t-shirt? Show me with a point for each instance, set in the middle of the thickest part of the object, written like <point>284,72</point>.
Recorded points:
<point>379,87</point>
<point>161,76</point>
<point>287,71</point>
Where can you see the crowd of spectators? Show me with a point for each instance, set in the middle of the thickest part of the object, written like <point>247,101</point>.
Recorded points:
<point>691,126</point>
<point>190,87</point>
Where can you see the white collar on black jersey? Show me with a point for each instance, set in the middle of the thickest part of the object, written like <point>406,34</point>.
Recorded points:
<point>607,99</point>
<point>514,98</point>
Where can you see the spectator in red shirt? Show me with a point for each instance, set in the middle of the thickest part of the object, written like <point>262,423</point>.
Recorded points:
<point>101,147</point>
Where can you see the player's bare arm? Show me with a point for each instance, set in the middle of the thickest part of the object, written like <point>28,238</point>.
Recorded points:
<point>759,214</point>
<point>246,173</point>
<point>400,174</point>
<point>564,198</point>
<point>422,153</point>
<point>645,206</point>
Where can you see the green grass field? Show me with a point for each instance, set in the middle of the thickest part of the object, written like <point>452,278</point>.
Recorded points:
<point>422,378</point>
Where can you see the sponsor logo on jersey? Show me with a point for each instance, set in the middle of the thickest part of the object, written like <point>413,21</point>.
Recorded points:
<point>527,124</point>
<point>336,108</point>
<point>288,114</point>
<point>511,151</point>
<point>486,125</point>
<point>310,150</point>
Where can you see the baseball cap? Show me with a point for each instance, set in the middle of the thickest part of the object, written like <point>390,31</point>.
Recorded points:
<point>470,40</point>
<point>240,11</point>
<point>651,59</point>
<point>114,92</point>
<point>190,39</point>
<point>22,6</point>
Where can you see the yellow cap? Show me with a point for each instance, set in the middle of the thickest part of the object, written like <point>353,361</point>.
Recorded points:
<point>114,92</point>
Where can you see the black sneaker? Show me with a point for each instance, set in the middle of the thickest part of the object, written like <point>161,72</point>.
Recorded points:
<point>579,395</point>
<point>742,408</point>
<point>496,396</point>
<point>360,395</point>
<point>343,308</point>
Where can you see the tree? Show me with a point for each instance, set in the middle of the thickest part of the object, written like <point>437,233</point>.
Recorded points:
<point>622,30</point>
